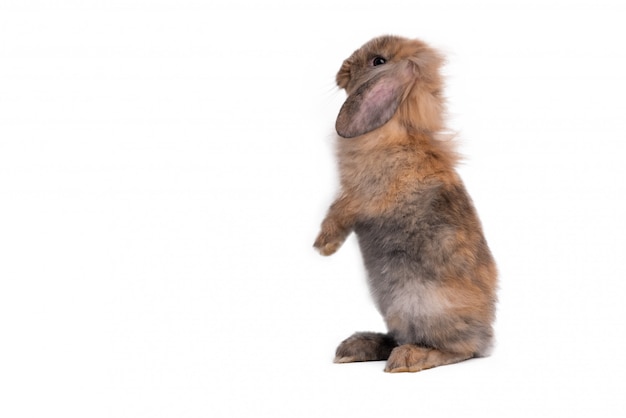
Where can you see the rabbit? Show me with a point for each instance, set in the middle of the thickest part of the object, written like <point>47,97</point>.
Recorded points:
<point>430,271</point>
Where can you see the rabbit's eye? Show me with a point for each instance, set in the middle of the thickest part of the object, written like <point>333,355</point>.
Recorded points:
<point>378,61</point>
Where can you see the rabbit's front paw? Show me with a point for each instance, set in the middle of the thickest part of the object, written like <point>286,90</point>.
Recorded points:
<point>327,244</point>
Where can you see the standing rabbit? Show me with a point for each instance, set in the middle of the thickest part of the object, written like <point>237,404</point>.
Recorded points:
<point>430,271</point>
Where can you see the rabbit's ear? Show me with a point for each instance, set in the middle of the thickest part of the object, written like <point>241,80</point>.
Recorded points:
<point>372,104</point>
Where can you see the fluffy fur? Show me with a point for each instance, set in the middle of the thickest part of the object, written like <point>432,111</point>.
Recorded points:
<point>429,268</point>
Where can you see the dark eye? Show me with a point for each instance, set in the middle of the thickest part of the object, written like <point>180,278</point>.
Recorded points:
<point>378,61</point>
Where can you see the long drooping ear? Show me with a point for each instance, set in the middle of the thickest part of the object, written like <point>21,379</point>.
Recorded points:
<point>373,103</point>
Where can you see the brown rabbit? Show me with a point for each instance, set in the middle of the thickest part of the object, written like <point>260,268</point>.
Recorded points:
<point>429,268</point>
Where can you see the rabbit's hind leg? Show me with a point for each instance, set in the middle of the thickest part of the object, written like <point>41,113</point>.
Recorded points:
<point>413,358</point>
<point>365,346</point>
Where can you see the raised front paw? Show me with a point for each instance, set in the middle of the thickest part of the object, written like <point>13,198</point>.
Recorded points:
<point>327,244</point>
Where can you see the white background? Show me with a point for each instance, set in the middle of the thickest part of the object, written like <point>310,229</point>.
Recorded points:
<point>164,167</point>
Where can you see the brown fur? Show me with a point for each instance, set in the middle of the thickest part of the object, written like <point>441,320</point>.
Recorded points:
<point>430,270</point>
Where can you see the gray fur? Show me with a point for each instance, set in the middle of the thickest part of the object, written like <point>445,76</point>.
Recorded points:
<point>412,246</point>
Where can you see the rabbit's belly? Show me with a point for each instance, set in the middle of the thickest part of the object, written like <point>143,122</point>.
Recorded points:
<point>419,307</point>
<point>429,313</point>
<point>404,261</point>
<point>414,309</point>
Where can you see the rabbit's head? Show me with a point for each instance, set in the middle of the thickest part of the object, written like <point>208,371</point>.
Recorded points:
<point>391,76</point>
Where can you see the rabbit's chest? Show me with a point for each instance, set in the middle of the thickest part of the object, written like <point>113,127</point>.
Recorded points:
<point>377,185</point>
